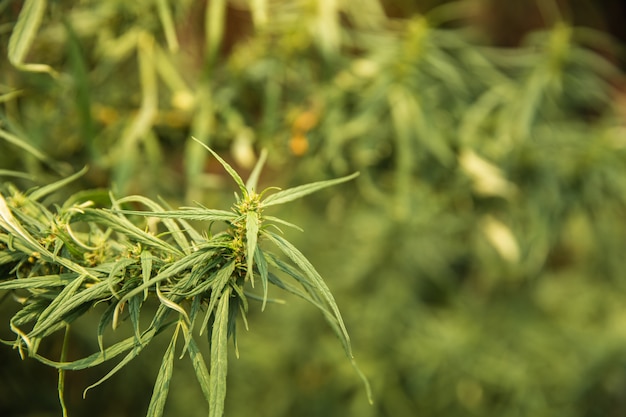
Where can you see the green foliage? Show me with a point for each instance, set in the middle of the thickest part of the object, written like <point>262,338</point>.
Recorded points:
<point>60,274</point>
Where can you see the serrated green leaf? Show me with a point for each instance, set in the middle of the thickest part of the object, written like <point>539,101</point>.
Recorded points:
<point>118,348</point>
<point>253,180</point>
<point>307,295</point>
<point>236,306</point>
<point>146,269</point>
<point>121,224</point>
<point>195,236</point>
<point>51,313</point>
<point>29,313</point>
<point>252,233</point>
<point>170,224</point>
<point>295,193</point>
<point>273,219</point>
<point>68,318</point>
<point>69,300</point>
<point>226,166</point>
<point>260,298</point>
<point>261,264</point>
<point>217,289</point>
<point>200,369</point>
<point>305,266</point>
<point>173,269</point>
<point>194,290</point>
<point>202,214</point>
<point>134,310</point>
<point>105,320</point>
<point>98,358</point>
<point>129,357</point>
<point>61,382</point>
<point>219,357</point>
<point>162,383</point>
<point>199,280</point>
<point>41,192</point>
<point>44,281</point>
<point>196,306</point>
<point>240,297</point>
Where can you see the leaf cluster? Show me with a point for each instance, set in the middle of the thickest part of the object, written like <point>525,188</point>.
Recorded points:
<point>60,264</point>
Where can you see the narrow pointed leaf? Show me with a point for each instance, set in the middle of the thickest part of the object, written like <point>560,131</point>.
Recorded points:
<point>51,314</point>
<point>196,304</point>
<point>24,33</point>
<point>195,236</point>
<point>260,298</point>
<point>170,224</point>
<point>123,225</point>
<point>98,358</point>
<point>41,192</point>
<point>61,383</point>
<point>261,264</point>
<point>305,266</point>
<point>173,269</point>
<point>129,357</point>
<point>44,281</point>
<point>274,279</point>
<point>227,167</point>
<point>105,320</point>
<point>171,304</point>
<point>240,297</point>
<point>146,270</point>
<point>252,232</point>
<point>199,367</point>
<point>219,358</point>
<point>300,260</point>
<point>217,290</point>
<point>134,308</point>
<point>162,384</point>
<point>201,214</point>
<point>283,222</point>
<point>295,193</point>
<point>63,305</point>
<point>253,180</point>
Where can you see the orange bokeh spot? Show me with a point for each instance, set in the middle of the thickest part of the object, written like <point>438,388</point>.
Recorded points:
<point>298,144</point>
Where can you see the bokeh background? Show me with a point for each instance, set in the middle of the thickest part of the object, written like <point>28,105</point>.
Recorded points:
<point>479,257</point>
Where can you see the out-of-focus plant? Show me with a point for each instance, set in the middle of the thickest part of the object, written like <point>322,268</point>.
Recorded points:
<point>62,264</point>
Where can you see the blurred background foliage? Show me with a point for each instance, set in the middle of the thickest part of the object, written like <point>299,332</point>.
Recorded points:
<point>477,259</point>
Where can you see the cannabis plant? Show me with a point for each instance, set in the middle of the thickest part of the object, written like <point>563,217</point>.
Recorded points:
<point>59,264</point>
